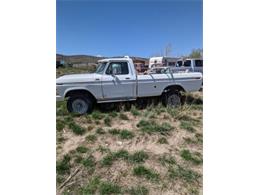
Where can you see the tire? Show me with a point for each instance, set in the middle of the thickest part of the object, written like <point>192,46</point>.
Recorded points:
<point>173,99</point>
<point>80,105</point>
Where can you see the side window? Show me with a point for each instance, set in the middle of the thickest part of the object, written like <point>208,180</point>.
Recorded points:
<point>198,63</point>
<point>179,64</point>
<point>187,63</point>
<point>117,68</point>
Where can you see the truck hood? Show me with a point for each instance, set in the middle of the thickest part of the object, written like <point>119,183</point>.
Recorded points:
<point>77,78</point>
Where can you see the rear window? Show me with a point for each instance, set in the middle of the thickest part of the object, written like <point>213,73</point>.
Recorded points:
<point>187,63</point>
<point>199,63</point>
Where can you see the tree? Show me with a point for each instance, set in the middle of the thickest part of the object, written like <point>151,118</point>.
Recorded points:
<point>196,53</point>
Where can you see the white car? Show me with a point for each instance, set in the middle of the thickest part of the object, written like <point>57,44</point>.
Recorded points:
<point>116,80</point>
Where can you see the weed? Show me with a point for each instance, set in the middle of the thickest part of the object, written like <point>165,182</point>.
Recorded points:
<point>152,126</point>
<point>125,134</point>
<point>89,161</point>
<point>167,160</point>
<point>63,166</point>
<point>107,121</point>
<point>187,125</point>
<point>107,160</point>
<point>78,159</point>
<point>91,138</point>
<point>195,158</point>
<point>114,131</point>
<point>123,116</point>
<point>121,154</point>
<point>113,114</point>
<point>82,149</point>
<point>78,130</point>
<point>90,127</point>
<point>162,140</point>
<point>134,111</point>
<point>103,149</point>
<point>100,131</point>
<point>91,187</point>
<point>179,172</point>
<point>107,188</point>
<point>139,190</point>
<point>142,171</point>
<point>59,125</point>
<point>199,137</point>
<point>139,157</point>
<point>96,115</point>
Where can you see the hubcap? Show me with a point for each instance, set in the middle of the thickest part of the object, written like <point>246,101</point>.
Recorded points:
<point>79,106</point>
<point>174,100</point>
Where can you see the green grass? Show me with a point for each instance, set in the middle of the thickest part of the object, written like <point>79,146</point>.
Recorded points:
<point>107,121</point>
<point>195,158</point>
<point>187,125</point>
<point>125,134</point>
<point>139,157</point>
<point>59,125</point>
<point>142,171</point>
<point>100,131</point>
<point>123,116</point>
<point>91,138</point>
<point>107,160</point>
<point>89,161</point>
<point>153,127</point>
<point>91,187</point>
<point>107,188</point>
<point>96,115</point>
<point>114,131</point>
<point>121,154</point>
<point>162,140</point>
<point>82,149</point>
<point>114,114</point>
<point>78,130</point>
<point>167,160</point>
<point>103,187</point>
<point>186,175</point>
<point>134,111</point>
<point>63,166</point>
<point>138,190</point>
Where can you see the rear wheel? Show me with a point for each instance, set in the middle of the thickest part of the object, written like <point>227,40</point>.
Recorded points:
<point>79,104</point>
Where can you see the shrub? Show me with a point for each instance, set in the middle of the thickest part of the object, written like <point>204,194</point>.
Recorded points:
<point>162,140</point>
<point>89,161</point>
<point>59,125</point>
<point>187,125</point>
<point>91,138</point>
<point>152,126</point>
<point>107,188</point>
<point>187,175</point>
<point>134,111</point>
<point>139,190</point>
<point>114,131</point>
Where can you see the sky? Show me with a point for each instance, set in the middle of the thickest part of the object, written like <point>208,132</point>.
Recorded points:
<point>135,28</point>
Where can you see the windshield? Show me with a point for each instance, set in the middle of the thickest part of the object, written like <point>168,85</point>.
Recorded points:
<point>101,67</point>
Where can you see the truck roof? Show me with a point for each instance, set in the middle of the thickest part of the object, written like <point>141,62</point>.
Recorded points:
<point>126,58</point>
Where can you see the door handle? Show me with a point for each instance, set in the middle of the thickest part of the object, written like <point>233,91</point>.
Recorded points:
<point>127,78</point>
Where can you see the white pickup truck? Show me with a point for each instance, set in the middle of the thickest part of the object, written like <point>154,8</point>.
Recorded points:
<point>116,80</point>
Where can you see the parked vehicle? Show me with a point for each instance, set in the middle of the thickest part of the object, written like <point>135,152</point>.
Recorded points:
<point>116,80</point>
<point>189,64</point>
<point>162,61</point>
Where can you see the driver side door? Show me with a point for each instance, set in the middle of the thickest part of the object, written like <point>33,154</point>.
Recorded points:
<point>118,82</point>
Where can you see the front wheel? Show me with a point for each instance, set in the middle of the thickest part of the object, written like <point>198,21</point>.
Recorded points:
<point>79,105</point>
<point>173,99</point>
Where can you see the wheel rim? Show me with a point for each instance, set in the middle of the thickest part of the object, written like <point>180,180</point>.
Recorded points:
<point>174,100</point>
<point>79,106</point>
